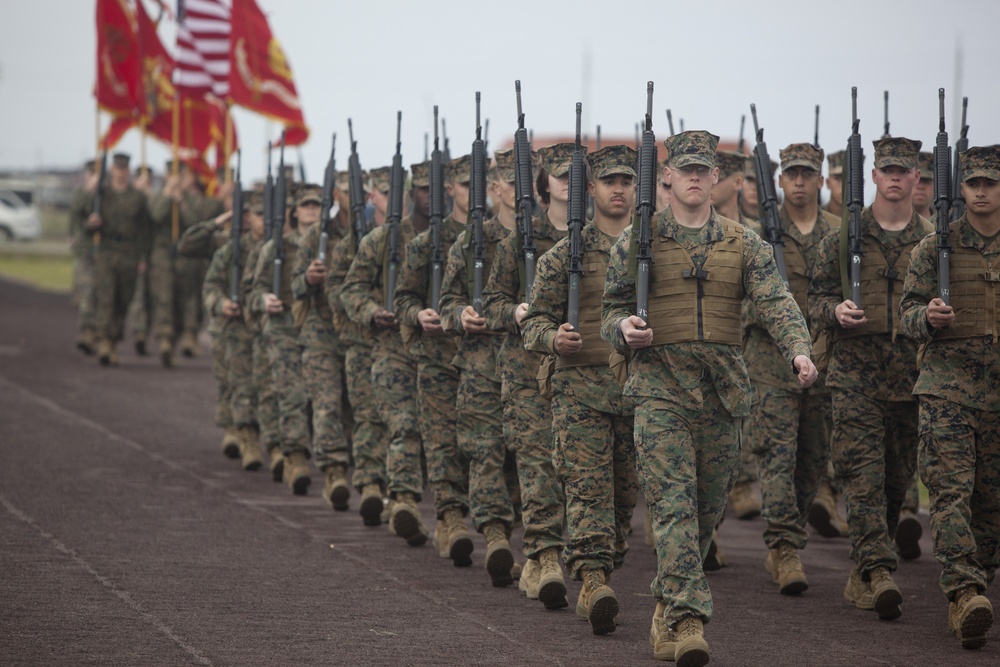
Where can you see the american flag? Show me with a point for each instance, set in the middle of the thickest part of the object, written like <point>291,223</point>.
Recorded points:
<point>202,61</point>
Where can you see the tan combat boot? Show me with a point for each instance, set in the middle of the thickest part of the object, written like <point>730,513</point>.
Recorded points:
<point>440,538</point>
<point>104,352</point>
<point>715,560</point>
<point>405,522</point>
<point>515,571</point>
<point>691,649</point>
<point>276,463</point>
<point>858,591</point>
<point>166,353</point>
<point>297,472</point>
<point>908,534</point>
<point>87,342</point>
<point>372,504</point>
<point>529,579</point>
<point>597,602</point>
<point>250,448</point>
<point>886,598</point>
<point>459,540</point>
<point>231,442</point>
<point>786,569</point>
<point>661,638</point>
<point>970,617</point>
<point>336,491</point>
<point>499,558</point>
<point>189,345</point>
<point>551,583</point>
<point>744,502</point>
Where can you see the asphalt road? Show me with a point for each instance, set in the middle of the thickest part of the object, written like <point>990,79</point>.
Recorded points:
<point>126,538</point>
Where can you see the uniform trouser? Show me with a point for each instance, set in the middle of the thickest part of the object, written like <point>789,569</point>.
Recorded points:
<point>447,469</point>
<point>238,361</point>
<point>83,281</point>
<point>527,428</point>
<point>595,459</point>
<point>114,283</point>
<point>266,400</point>
<point>161,291</point>
<point>368,438</point>
<point>911,503</point>
<point>480,439</point>
<point>960,465</point>
<point>687,460</point>
<point>285,357</point>
<point>189,274</point>
<point>323,375</point>
<point>874,448</point>
<point>138,310</point>
<point>224,393</point>
<point>749,471</point>
<point>394,377</point>
<point>791,435</point>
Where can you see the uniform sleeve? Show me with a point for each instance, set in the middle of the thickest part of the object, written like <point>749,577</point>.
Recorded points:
<point>214,290</point>
<point>776,308</point>
<point>825,290</point>
<point>411,285</point>
<point>618,301</point>
<point>303,258</point>
<point>454,293</point>
<point>357,293</point>
<point>546,312</point>
<point>198,240</point>
<point>501,293</point>
<point>340,262</point>
<point>263,279</point>
<point>919,287</point>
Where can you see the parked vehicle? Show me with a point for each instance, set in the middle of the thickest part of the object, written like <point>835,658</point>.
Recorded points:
<point>19,221</point>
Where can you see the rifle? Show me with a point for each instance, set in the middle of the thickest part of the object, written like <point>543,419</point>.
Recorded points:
<point>942,202</point>
<point>302,167</point>
<point>268,198</point>
<point>855,192</point>
<point>425,147</point>
<point>236,230</point>
<point>577,199</point>
<point>486,136</point>
<point>329,181</point>
<point>394,215</point>
<point>436,219</point>
<point>681,120</point>
<point>670,123</point>
<point>816,130</point>
<point>101,174</point>
<point>525,196</point>
<point>477,195</point>
<point>645,206</point>
<point>638,139</point>
<point>356,189</point>
<point>598,138</point>
<point>740,146</point>
<point>278,210</point>
<point>449,203</point>
<point>885,131</point>
<point>962,145</point>
<point>767,198</point>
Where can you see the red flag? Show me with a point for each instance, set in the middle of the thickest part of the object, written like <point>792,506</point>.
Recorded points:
<point>119,126</point>
<point>117,84</point>
<point>260,77</point>
<point>202,66</point>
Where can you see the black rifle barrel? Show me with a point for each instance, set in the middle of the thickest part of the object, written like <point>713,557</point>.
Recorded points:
<point>280,196</point>
<point>816,129</point>
<point>962,145</point>
<point>942,203</point>
<point>478,198</point>
<point>524,192</point>
<point>885,131</point>
<point>742,142</point>
<point>577,203</point>
<point>854,161</point>
<point>395,215</point>
<point>645,205</point>
<point>767,198</point>
<point>329,181</point>
<point>236,229</point>
<point>356,189</point>
<point>436,219</point>
<point>670,122</point>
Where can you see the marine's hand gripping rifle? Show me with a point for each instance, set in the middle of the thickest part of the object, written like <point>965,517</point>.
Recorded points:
<point>770,219</point>
<point>525,196</point>
<point>577,204</point>
<point>394,216</point>
<point>942,202</point>
<point>645,206</point>
<point>436,219</point>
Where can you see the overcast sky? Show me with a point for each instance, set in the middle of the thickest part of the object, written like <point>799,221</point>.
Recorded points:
<point>709,61</point>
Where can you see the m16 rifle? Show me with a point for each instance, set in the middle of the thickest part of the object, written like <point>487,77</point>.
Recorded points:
<point>767,198</point>
<point>278,206</point>
<point>577,201</point>
<point>645,206</point>
<point>236,229</point>
<point>356,189</point>
<point>885,127</point>
<point>329,181</point>
<point>477,195</point>
<point>436,219</point>
<point>962,145</point>
<point>395,214</point>
<point>525,197</point>
<point>855,192</point>
<point>942,203</point>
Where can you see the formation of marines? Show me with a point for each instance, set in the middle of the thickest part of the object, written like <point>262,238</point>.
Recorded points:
<point>394,371</point>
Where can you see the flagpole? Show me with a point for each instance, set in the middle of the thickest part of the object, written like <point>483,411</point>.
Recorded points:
<point>175,168</point>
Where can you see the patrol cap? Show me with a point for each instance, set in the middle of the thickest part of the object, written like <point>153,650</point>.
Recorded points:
<point>343,181</point>
<point>802,155</point>
<point>612,161</point>
<point>120,160</point>
<point>421,174</point>
<point>925,163</point>
<point>557,158</point>
<point>380,178</point>
<point>506,165</point>
<point>255,201</point>
<point>835,162</point>
<point>729,163</point>
<point>246,197</point>
<point>309,193</point>
<point>459,169</point>
<point>981,162</point>
<point>692,147</point>
<point>896,152</point>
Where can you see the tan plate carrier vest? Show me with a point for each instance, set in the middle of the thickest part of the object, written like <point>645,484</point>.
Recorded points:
<point>974,284</point>
<point>594,351</point>
<point>881,290</point>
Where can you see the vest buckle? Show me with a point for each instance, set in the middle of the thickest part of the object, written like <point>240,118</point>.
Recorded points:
<point>992,276</point>
<point>698,274</point>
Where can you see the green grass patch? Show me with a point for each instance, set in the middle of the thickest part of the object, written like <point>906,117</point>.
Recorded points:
<point>54,274</point>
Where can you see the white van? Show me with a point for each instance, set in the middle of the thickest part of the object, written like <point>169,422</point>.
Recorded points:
<point>19,221</point>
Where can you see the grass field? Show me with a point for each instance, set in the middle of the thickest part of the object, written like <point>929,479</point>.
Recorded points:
<point>54,274</point>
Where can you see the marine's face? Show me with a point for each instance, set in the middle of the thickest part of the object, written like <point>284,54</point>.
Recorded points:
<point>982,195</point>
<point>308,213</point>
<point>726,189</point>
<point>505,193</point>
<point>692,184</point>
<point>559,187</point>
<point>835,182</point>
<point>422,200</point>
<point>923,192</point>
<point>800,185</point>
<point>894,183</point>
<point>459,193</point>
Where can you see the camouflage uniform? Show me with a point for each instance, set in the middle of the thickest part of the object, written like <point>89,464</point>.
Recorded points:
<point>83,262</point>
<point>263,385</point>
<point>871,376</point>
<point>322,352</point>
<point>959,396</point>
<point>437,378</point>
<point>690,396</point>
<point>394,372</point>
<point>594,452</point>
<point>789,427</point>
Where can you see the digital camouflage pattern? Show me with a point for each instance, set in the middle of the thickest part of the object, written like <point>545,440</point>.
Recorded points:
<point>689,400</point>
<point>527,415</point>
<point>437,378</point>
<point>421,174</point>
<point>981,162</point>
<point>959,425</point>
<point>267,399</point>
<point>729,163</point>
<point>380,178</point>
<point>594,453</point>
<point>801,155</point>
<point>612,160</point>
<point>556,159</point>
<point>925,163</point>
<point>459,170</point>
<point>83,261</point>
<point>692,147</point>
<point>835,163</point>
<point>874,439</point>
<point>896,152</point>
<point>394,372</point>
<point>480,434</point>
